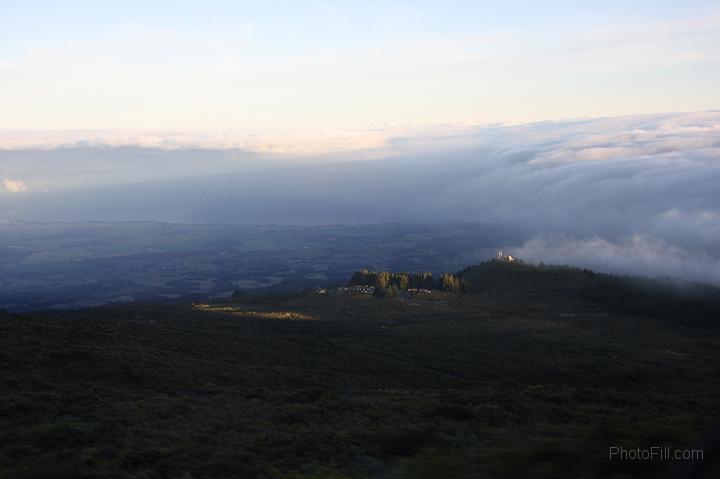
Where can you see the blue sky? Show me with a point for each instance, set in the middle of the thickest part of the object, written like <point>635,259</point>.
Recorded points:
<point>211,64</point>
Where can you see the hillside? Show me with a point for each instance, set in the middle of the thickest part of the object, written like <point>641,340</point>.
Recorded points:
<point>518,277</point>
<point>506,384</point>
<point>684,302</point>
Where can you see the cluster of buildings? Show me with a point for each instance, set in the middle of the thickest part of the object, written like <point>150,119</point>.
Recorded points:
<point>364,290</point>
<point>347,290</point>
<point>505,259</point>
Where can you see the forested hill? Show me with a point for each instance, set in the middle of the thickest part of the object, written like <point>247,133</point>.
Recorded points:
<point>682,302</point>
<point>519,277</point>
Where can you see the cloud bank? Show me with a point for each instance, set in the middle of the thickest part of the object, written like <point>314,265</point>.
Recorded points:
<point>271,142</point>
<point>637,254</point>
<point>636,194</point>
<point>13,186</point>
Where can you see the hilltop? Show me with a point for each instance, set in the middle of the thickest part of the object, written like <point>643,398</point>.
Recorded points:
<point>683,302</point>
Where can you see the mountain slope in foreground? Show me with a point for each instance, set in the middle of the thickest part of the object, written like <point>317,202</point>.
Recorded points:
<point>506,383</point>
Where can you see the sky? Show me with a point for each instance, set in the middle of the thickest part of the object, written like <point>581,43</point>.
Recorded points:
<point>337,64</point>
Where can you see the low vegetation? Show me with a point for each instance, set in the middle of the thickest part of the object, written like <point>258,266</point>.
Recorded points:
<point>249,313</point>
<point>506,382</point>
<point>679,301</point>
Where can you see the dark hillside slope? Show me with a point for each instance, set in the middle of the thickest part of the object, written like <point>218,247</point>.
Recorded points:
<point>518,277</point>
<point>350,386</point>
<point>683,302</point>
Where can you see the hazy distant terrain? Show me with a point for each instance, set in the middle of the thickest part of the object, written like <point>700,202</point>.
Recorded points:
<point>84,264</point>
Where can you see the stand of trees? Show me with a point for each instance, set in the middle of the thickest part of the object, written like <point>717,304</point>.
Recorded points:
<point>454,284</point>
<point>383,279</point>
<point>389,284</point>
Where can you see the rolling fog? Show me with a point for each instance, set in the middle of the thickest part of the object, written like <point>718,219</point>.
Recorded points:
<point>632,194</point>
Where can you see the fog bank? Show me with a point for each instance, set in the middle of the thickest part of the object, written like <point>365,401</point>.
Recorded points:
<point>633,194</point>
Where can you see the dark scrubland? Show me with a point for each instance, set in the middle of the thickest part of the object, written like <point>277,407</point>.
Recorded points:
<point>536,378</point>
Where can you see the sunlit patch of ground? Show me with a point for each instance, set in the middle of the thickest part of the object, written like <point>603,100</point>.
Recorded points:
<point>237,311</point>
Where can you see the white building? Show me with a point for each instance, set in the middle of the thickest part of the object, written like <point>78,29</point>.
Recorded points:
<point>502,257</point>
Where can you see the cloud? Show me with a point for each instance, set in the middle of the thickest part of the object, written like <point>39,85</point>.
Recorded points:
<point>13,186</point>
<point>281,142</point>
<point>633,255</point>
<point>609,187</point>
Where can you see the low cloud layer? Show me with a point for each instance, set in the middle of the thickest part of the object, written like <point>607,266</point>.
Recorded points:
<point>637,254</point>
<point>13,186</point>
<point>277,142</point>
<point>636,194</point>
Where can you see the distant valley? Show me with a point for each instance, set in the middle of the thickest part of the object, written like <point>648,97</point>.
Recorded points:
<point>73,265</point>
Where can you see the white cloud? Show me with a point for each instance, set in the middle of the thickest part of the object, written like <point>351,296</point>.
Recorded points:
<point>637,254</point>
<point>640,186</point>
<point>13,186</point>
<point>274,142</point>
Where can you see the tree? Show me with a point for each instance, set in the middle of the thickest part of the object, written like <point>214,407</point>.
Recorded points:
<point>388,292</point>
<point>383,280</point>
<point>363,278</point>
<point>449,283</point>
